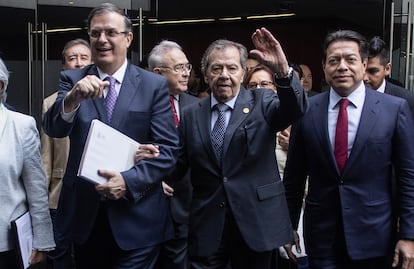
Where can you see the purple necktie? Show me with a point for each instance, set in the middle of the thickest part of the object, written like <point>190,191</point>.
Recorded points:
<point>341,135</point>
<point>110,99</point>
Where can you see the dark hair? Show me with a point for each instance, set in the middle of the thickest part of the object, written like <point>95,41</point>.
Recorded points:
<point>69,44</point>
<point>249,73</point>
<point>346,35</point>
<point>109,7</point>
<point>222,44</point>
<point>298,69</point>
<point>377,47</point>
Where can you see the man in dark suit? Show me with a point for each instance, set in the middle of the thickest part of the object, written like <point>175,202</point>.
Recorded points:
<point>168,59</point>
<point>349,218</point>
<point>238,209</point>
<point>379,68</point>
<point>119,224</point>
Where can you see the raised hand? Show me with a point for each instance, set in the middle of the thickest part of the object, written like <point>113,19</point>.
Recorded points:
<point>270,51</point>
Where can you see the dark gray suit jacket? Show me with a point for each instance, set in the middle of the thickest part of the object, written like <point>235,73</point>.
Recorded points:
<point>247,182</point>
<point>180,201</point>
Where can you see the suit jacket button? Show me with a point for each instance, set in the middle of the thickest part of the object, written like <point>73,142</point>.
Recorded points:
<point>221,205</point>
<point>224,179</point>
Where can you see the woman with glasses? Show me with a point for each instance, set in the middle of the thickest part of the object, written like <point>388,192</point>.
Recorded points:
<point>259,76</point>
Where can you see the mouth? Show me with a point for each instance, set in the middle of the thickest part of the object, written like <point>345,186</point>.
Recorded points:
<point>223,86</point>
<point>341,78</point>
<point>103,50</point>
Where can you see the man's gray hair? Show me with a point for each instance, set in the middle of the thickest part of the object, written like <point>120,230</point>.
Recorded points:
<point>156,56</point>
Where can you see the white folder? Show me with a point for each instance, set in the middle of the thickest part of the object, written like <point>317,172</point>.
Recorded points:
<point>106,148</point>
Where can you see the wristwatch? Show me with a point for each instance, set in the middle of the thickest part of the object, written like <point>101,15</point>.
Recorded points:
<point>284,81</point>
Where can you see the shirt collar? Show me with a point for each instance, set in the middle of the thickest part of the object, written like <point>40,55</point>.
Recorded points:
<point>230,103</point>
<point>176,97</point>
<point>382,87</point>
<point>118,75</point>
<point>356,98</point>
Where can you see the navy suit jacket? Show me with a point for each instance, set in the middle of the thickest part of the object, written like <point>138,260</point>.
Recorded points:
<point>142,112</point>
<point>362,195</point>
<point>406,94</point>
<point>247,182</point>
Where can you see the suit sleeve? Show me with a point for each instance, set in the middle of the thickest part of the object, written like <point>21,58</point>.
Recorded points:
<point>294,177</point>
<point>404,167</point>
<point>33,178</point>
<point>53,124</point>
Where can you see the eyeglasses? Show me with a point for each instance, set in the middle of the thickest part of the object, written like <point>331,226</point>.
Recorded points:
<point>107,32</point>
<point>180,68</point>
<point>261,84</point>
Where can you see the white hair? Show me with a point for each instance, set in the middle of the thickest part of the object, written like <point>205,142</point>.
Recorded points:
<point>4,77</point>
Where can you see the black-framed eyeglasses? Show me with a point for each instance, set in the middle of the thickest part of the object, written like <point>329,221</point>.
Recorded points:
<point>180,68</point>
<point>261,84</point>
<point>107,32</point>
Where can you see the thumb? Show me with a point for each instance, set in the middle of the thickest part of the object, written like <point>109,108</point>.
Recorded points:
<point>396,258</point>
<point>106,173</point>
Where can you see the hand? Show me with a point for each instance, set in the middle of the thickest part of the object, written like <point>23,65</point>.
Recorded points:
<point>288,247</point>
<point>283,139</point>
<point>147,151</point>
<point>115,188</point>
<point>269,50</point>
<point>37,257</point>
<point>88,87</point>
<point>404,250</point>
<point>168,190</point>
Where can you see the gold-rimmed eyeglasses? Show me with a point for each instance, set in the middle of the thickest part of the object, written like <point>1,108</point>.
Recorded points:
<point>179,68</point>
<point>261,84</point>
<point>107,32</point>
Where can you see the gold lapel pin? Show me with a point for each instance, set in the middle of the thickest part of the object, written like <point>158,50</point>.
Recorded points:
<point>246,110</point>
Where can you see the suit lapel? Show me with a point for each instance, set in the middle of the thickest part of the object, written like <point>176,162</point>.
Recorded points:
<point>241,110</point>
<point>369,117</point>
<point>98,102</point>
<point>203,116</point>
<point>129,89</point>
<point>320,125</point>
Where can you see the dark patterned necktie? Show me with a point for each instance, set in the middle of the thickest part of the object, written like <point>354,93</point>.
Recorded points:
<point>341,135</point>
<point>111,96</point>
<point>219,129</point>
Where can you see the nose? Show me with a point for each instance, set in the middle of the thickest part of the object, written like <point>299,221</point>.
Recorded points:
<point>225,72</point>
<point>186,72</point>
<point>342,64</point>
<point>78,62</point>
<point>102,33</point>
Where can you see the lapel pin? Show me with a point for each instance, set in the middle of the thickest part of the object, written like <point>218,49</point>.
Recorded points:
<point>246,110</point>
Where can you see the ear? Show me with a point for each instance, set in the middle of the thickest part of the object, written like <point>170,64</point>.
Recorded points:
<point>388,69</point>
<point>157,70</point>
<point>129,37</point>
<point>365,63</point>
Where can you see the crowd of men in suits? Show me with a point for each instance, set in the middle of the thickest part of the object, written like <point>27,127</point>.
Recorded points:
<point>205,190</point>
